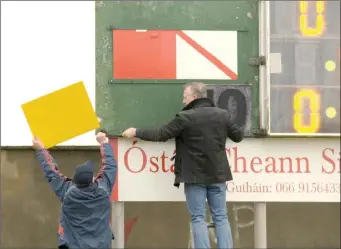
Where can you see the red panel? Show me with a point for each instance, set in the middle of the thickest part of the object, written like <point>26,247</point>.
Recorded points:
<point>128,227</point>
<point>338,79</point>
<point>144,55</point>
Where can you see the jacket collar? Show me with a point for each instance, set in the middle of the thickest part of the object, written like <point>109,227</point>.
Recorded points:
<point>88,188</point>
<point>202,102</point>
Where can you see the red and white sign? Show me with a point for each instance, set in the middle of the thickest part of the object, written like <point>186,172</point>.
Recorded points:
<point>175,54</point>
<point>264,170</point>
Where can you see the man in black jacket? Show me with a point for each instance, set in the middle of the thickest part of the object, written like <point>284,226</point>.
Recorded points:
<point>200,131</point>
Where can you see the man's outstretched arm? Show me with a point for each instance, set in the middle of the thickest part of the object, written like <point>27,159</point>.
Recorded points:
<point>107,174</point>
<point>59,183</point>
<point>171,130</point>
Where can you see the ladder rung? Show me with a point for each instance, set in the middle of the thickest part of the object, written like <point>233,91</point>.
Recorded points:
<point>211,225</point>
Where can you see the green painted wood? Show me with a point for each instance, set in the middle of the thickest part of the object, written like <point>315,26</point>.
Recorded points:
<point>150,103</point>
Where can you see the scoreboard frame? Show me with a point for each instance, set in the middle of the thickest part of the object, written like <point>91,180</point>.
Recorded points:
<point>303,93</point>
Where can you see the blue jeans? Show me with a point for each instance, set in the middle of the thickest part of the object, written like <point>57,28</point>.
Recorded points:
<point>196,195</point>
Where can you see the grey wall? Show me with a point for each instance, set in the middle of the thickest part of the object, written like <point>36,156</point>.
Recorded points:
<point>30,213</point>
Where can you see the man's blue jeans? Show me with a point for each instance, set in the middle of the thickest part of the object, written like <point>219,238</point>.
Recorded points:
<point>196,195</point>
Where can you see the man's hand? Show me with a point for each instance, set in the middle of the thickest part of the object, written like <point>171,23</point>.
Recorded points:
<point>101,137</point>
<point>129,133</point>
<point>37,144</point>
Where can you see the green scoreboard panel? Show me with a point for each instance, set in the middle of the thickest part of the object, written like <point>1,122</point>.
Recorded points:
<point>305,57</point>
<point>147,50</point>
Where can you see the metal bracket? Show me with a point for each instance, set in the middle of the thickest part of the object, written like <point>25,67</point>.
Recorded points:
<point>259,133</point>
<point>257,61</point>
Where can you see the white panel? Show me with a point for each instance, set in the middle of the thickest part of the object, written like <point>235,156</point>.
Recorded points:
<point>191,64</point>
<point>317,181</point>
<point>275,63</point>
<point>45,45</point>
<point>222,44</point>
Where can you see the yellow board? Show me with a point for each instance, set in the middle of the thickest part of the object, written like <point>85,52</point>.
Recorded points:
<point>61,115</point>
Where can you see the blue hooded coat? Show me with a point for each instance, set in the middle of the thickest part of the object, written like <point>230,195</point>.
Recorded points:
<point>85,214</point>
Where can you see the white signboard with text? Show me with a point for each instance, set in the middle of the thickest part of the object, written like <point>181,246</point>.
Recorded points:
<point>264,170</point>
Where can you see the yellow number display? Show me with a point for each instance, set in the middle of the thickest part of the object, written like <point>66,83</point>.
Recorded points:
<point>305,29</point>
<point>314,106</point>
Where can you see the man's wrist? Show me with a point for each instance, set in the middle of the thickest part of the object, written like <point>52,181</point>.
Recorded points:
<point>137,132</point>
<point>39,151</point>
<point>104,141</point>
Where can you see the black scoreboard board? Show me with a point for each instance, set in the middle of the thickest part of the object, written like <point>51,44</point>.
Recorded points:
<point>305,57</point>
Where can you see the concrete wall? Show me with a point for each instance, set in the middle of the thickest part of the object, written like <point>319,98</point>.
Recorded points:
<point>29,213</point>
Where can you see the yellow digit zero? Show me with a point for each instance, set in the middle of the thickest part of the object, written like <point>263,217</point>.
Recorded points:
<point>61,115</point>
<point>314,118</point>
<point>319,28</point>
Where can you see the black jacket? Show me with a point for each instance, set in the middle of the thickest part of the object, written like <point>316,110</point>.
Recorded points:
<point>200,131</point>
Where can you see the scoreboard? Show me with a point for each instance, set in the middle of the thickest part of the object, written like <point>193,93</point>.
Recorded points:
<point>305,68</point>
<point>143,62</point>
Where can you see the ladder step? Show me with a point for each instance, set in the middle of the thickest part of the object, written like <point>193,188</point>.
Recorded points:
<point>211,225</point>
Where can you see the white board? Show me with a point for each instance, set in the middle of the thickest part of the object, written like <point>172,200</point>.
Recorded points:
<point>144,171</point>
<point>45,45</point>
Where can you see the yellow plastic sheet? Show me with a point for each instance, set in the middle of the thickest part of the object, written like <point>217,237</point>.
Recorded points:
<point>61,115</point>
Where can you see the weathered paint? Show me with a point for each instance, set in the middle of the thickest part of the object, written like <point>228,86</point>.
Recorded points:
<point>148,102</point>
